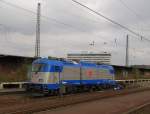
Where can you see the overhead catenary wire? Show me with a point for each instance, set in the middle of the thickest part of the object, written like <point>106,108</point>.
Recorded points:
<point>35,13</point>
<point>43,16</point>
<point>68,25</point>
<point>138,16</point>
<point>112,21</point>
<point>130,9</point>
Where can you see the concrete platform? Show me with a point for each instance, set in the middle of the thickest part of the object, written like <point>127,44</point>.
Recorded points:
<point>11,91</point>
<point>10,85</point>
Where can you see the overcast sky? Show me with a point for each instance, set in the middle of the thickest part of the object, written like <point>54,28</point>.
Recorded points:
<point>68,28</point>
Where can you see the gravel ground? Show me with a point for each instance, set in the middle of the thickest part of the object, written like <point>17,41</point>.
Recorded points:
<point>116,105</point>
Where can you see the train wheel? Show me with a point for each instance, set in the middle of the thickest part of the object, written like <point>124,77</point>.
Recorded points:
<point>92,89</point>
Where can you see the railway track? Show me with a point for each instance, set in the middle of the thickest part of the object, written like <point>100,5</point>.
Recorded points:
<point>26,105</point>
<point>142,109</point>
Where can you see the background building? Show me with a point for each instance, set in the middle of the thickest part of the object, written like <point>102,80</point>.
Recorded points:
<point>102,58</point>
<point>14,68</point>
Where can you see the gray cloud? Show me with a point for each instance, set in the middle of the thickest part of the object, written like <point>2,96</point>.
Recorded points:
<point>82,27</point>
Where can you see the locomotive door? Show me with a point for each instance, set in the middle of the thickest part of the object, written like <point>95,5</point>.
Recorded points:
<point>56,74</point>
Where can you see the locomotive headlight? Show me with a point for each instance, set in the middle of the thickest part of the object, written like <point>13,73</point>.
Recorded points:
<point>45,86</point>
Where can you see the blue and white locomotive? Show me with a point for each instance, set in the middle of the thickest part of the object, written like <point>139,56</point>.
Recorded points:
<point>49,76</point>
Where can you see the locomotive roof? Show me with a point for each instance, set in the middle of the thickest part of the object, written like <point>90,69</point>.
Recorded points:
<point>47,61</point>
<point>106,66</point>
<point>87,64</point>
<point>69,63</point>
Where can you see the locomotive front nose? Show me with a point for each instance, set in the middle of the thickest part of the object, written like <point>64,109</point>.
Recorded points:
<point>38,73</point>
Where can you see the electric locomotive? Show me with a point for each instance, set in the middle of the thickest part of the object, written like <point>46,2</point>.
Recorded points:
<point>49,76</point>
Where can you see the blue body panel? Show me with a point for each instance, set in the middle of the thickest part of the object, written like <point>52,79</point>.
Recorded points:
<point>74,83</point>
<point>88,65</point>
<point>89,82</point>
<point>41,87</point>
<point>49,64</point>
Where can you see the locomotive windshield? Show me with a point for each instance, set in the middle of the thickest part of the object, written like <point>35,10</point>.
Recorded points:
<point>38,67</point>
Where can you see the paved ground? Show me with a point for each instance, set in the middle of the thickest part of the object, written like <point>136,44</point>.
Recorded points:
<point>115,105</point>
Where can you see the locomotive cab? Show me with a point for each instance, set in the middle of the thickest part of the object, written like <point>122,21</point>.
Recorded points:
<point>38,72</point>
<point>45,74</point>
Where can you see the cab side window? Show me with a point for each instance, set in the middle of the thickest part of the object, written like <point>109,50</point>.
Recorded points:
<point>56,69</point>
